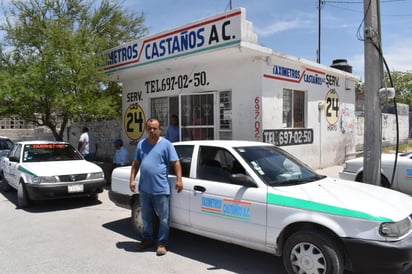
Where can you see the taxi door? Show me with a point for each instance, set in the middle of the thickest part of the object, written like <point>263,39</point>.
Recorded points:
<point>179,202</point>
<point>10,165</point>
<point>235,212</point>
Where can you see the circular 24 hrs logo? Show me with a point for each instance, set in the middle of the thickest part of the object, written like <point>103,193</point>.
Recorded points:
<point>332,107</point>
<point>134,121</point>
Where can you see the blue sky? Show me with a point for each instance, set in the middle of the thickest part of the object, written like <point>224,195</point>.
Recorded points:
<point>291,27</point>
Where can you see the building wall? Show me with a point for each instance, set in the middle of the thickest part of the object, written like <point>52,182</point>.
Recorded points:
<point>23,134</point>
<point>106,133</point>
<point>329,109</point>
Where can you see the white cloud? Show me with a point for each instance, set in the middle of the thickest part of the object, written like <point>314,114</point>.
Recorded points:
<point>358,65</point>
<point>281,26</point>
<point>399,55</point>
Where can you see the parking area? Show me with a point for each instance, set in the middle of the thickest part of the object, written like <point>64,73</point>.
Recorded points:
<point>89,236</point>
<point>95,236</point>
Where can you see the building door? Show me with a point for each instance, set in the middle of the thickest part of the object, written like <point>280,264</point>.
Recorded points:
<point>197,114</point>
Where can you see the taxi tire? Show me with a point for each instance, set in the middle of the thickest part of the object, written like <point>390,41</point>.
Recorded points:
<point>4,184</point>
<point>22,197</point>
<point>312,248</point>
<point>384,182</point>
<point>137,221</point>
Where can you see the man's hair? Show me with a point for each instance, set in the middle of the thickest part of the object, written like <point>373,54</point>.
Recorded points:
<point>153,120</point>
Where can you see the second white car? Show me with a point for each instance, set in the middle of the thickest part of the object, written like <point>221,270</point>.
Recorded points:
<point>41,170</point>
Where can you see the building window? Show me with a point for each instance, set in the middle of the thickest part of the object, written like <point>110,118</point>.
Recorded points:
<point>225,115</point>
<point>198,116</point>
<point>293,108</point>
<point>160,110</point>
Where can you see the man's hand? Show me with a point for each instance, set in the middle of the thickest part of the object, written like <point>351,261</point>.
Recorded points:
<point>132,186</point>
<point>179,186</point>
<point>178,171</point>
<point>133,172</point>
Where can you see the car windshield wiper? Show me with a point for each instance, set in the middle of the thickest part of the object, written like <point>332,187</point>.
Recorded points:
<point>297,181</point>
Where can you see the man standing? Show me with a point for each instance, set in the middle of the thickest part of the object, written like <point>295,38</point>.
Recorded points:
<point>87,145</point>
<point>172,133</point>
<point>153,156</point>
<point>121,158</point>
<point>121,155</point>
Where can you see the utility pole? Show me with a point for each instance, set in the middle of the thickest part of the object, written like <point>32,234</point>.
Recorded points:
<point>320,4</point>
<point>373,82</point>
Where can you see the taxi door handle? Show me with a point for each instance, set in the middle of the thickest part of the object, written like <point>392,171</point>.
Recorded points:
<point>199,188</point>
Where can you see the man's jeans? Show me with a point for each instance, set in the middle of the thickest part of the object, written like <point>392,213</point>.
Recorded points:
<point>160,205</point>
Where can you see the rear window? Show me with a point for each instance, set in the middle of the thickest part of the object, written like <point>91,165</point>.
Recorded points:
<point>50,152</point>
<point>5,144</point>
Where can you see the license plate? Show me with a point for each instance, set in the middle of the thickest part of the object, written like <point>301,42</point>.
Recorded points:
<point>75,188</point>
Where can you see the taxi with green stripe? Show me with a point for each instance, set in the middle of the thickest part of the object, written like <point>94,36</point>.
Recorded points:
<point>259,196</point>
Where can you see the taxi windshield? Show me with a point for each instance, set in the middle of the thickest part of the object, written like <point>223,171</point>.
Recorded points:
<point>276,167</point>
<point>47,152</point>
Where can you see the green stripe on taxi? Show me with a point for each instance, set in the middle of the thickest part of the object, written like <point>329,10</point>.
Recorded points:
<point>319,207</point>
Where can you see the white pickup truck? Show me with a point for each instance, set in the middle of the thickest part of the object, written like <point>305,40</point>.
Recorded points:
<point>258,196</point>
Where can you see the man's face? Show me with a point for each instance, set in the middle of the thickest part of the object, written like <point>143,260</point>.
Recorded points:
<point>153,129</point>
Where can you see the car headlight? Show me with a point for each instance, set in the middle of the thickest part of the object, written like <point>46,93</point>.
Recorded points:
<point>96,175</point>
<point>44,179</point>
<point>396,229</point>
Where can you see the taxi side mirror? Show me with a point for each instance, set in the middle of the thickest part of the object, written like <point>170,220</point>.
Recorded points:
<point>243,180</point>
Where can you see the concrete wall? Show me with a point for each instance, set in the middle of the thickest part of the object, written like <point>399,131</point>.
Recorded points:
<point>40,133</point>
<point>388,128</point>
<point>106,133</point>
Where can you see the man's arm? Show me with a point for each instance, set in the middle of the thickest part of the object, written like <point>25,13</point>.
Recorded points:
<point>133,173</point>
<point>178,172</point>
<point>80,145</point>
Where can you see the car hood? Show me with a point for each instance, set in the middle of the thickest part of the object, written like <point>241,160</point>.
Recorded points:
<point>385,157</point>
<point>60,168</point>
<point>346,198</point>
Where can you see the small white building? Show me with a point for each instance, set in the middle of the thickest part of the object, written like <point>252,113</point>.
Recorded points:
<point>222,84</point>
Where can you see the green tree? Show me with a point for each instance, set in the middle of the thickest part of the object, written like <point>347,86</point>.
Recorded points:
<point>51,60</point>
<point>402,82</point>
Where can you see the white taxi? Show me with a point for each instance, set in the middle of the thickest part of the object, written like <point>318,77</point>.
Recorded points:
<point>41,170</point>
<point>256,195</point>
<point>353,170</point>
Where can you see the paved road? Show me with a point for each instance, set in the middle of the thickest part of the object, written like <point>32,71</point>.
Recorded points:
<point>86,236</point>
<point>89,236</point>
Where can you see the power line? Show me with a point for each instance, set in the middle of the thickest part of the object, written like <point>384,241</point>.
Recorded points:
<point>360,2</point>
<point>334,4</point>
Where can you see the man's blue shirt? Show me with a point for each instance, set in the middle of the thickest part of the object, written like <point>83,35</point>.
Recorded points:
<point>121,157</point>
<point>154,165</point>
<point>172,133</point>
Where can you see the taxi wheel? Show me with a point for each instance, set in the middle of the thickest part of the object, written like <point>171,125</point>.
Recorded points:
<point>4,184</point>
<point>137,221</point>
<point>312,252</point>
<point>22,198</point>
<point>384,181</point>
